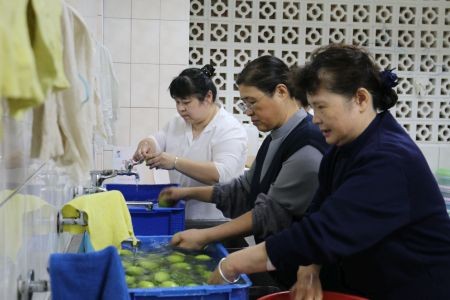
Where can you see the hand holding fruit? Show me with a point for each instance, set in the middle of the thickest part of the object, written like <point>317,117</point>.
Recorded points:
<point>168,197</point>
<point>190,239</point>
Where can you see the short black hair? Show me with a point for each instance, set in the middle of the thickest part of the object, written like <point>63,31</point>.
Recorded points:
<point>265,73</point>
<point>194,82</point>
<point>343,69</point>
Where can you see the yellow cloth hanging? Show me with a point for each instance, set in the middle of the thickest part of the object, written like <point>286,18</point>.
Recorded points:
<point>19,80</point>
<point>31,52</point>
<point>44,22</point>
<point>108,218</point>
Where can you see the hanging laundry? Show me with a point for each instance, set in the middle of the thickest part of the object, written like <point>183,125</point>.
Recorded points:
<point>63,128</point>
<point>107,91</point>
<point>19,81</point>
<point>44,21</point>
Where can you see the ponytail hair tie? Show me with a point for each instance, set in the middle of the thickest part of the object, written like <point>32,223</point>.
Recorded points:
<point>208,70</point>
<point>388,78</point>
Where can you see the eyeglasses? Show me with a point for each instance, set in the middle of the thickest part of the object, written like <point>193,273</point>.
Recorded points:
<point>245,106</point>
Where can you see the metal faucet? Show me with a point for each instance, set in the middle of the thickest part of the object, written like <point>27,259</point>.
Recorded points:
<point>129,164</point>
<point>98,176</point>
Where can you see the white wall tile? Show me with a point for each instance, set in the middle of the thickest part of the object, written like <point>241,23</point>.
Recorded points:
<point>93,7</point>
<point>123,74</point>
<point>144,85</point>
<point>146,9</point>
<point>174,41</point>
<point>117,37</point>
<point>175,10</point>
<point>145,41</point>
<point>431,154</point>
<point>99,161</point>
<point>79,6</point>
<point>107,159</point>
<point>166,74</point>
<point>165,115</point>
<point>122,127</point>
<point>117,8</point>
<point>144,121</point>
<point>444,157</point>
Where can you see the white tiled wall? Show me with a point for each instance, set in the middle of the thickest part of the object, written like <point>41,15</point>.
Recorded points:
<point>444,157</point>
<point>149,44</point>
<point>437,155</point>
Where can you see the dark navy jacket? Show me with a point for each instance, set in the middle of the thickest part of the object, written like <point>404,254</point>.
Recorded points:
<point>379,214</point>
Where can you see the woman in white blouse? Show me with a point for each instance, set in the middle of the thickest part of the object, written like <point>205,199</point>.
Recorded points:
<point>203,145</point>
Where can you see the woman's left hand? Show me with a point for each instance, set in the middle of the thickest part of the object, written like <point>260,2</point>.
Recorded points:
<point>308,284</point>
<point>161,160</point>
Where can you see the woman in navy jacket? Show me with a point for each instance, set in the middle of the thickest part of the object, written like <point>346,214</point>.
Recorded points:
<point>378,212</point>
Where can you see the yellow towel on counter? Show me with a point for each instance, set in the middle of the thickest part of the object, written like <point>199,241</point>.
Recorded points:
<point>108,218</point>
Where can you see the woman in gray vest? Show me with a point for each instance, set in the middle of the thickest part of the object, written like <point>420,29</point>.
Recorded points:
<point>281,182</point>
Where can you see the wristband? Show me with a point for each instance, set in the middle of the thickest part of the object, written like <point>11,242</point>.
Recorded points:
<point>223,276</point>
<point>175,163</point>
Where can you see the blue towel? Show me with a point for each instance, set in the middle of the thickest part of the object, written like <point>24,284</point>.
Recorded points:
<point>88,276</point>
<point>86,245</point>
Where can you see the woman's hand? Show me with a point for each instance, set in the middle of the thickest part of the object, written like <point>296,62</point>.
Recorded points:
<point>144,149</point>
<point>308,285</point>
<point>173,194</point>
<point>162,160</point>
<point>194,239</point>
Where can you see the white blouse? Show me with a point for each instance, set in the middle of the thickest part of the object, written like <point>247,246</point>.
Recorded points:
<point>223,141</point>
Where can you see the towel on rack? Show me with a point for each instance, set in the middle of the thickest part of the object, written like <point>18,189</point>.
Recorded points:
<point>63,128</point>
<point>108,218</point>
<point>88,276</point>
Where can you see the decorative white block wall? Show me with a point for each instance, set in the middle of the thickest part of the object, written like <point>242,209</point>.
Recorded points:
<point>411,36</point>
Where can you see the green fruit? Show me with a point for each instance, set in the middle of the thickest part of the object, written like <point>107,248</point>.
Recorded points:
<point>175,258</point>
<point>130,280</point>
<point>125,252</point>
<point>180,266</point>
<point>162,276</point>
<point>192,284</point>
<point>126,264</point>
<point>149,265</point>
<point>203,257</point>
<point>134,270</point>
<point>145,284</point>
<point>168,283</point>
<point>163,202</point>
<point>206,274</point>
<point>200,268</point>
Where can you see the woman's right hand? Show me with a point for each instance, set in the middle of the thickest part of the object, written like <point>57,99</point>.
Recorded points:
<point>194,239</point>
<point>144,149</point>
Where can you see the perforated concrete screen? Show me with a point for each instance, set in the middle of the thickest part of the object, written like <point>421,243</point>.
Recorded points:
<point>411,36</point>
